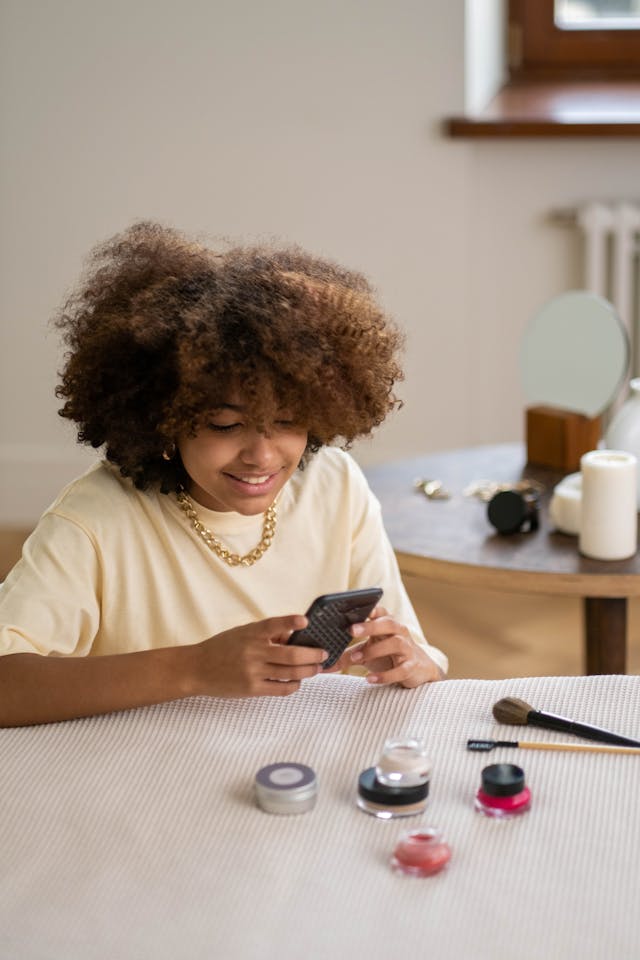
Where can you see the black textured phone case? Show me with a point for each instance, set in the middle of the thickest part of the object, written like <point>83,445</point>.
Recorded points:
<point>329,628</point>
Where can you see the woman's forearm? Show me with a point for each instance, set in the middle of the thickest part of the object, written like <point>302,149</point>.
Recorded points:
<point>247,661</point>
<point>38,689</point>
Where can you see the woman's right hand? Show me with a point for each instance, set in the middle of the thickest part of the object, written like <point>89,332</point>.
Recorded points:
<point>255,661</point>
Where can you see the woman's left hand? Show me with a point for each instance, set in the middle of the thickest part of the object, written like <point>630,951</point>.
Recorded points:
<point>389,653</point>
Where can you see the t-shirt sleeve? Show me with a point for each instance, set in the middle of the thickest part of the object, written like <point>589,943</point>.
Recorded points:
<point>49,603</point>
<point>373,562</point>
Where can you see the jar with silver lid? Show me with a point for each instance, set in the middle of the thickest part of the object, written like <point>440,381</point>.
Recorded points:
<point>286,788</point>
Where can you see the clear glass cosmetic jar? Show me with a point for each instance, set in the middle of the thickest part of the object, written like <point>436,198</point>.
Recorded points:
<point>286,788</point>
<point>398,786</point>
<point>404,763</point>
<point>503,793</point>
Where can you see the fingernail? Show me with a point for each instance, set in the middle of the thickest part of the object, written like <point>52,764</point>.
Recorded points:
<point>356,656</point>
<point>356,631</point>
<point>372,678</point>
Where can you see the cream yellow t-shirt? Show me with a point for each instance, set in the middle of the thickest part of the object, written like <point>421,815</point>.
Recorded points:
<point>112,569</point>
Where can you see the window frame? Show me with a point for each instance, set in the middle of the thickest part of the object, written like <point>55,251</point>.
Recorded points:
<point>539,50</point>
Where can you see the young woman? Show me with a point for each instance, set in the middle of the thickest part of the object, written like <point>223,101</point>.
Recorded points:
<point>221,388</point>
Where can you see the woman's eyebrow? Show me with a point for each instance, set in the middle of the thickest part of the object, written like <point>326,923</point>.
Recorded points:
<point>237,408</point>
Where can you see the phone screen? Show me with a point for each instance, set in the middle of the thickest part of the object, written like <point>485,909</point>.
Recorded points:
<point>330,617</point>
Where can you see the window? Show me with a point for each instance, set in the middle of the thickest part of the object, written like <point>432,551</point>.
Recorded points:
<point>574,71</point>
<point>597,14</point>
<point>578,39</point>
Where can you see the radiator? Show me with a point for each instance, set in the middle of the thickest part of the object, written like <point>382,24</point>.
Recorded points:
<point>611,260</point>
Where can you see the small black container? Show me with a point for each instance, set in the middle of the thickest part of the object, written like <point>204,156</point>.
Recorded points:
<point>511,511</point>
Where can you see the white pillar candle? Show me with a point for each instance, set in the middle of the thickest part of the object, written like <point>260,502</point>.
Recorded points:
<point>608,523</point>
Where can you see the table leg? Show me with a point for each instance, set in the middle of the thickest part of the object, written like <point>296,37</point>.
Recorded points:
<point>605,626</point>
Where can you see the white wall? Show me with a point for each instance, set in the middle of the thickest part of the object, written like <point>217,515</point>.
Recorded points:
<point>316,123</point>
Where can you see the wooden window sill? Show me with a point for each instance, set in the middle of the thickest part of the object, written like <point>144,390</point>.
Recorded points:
<point>556,108</point>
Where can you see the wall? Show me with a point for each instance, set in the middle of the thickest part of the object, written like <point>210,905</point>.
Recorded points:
<point>316,123</point>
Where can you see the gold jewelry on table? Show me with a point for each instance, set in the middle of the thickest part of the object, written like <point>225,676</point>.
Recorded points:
<point>485,490</point>
<point>432,489</point>
<point>232,559</point>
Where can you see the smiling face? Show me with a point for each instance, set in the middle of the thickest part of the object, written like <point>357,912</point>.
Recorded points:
<point>234,466</point>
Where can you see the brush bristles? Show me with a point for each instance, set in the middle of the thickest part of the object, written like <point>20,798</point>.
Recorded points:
<point>511,710</point>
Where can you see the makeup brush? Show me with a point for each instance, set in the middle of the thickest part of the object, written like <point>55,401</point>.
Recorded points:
<point>483,746</point>
<point>513,711</point>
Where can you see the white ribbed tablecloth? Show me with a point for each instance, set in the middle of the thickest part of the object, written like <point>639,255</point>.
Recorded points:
<point>136,835</point>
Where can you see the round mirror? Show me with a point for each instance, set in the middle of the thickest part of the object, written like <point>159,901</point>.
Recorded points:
<point>575,354</point>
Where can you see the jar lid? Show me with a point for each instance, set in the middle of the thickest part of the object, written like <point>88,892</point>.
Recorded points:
<point>370,788</point>
<point>290,778</point>
<point>507,511</point>
<point>502,780</point>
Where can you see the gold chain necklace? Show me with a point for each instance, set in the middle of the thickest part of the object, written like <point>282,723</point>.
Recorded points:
<point>232,559</point>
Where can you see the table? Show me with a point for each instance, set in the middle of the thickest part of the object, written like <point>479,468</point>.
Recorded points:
<point>452,541</point>
<point>136,835</point>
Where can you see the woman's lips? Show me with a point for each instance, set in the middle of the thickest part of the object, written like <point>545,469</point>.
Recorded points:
<point>253,484</point>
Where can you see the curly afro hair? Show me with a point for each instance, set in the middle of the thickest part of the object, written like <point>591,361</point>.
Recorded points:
<point>161,330</point>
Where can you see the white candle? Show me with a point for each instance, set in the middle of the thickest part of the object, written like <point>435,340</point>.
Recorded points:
<point>566,503</point>
<point>608,524</point>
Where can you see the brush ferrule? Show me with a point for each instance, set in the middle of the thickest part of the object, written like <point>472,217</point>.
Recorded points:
<point>483,746</point>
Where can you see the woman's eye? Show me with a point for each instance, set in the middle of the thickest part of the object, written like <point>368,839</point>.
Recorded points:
<point>223,427</point>
<point>284,423</point>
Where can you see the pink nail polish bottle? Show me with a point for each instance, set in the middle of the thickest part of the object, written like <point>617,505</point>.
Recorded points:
<point>503,793</point>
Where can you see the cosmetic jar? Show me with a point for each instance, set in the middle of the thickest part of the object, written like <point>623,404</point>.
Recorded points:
<point>404,763</point>
<point>389,802</point>
<point>421,853</point>
<point>398,785</point>
<point>503,793</point>
<point>511,511</point>
<point>286,788</point>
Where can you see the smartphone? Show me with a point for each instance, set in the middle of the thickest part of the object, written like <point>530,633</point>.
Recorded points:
<point>330,617</point>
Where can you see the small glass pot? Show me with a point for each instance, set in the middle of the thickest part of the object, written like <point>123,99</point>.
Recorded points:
<point>421,853</point>
<point>503,793</point>
<point>398,786</point>
<point>404,763</point>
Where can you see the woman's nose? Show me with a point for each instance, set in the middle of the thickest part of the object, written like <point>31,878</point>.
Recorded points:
<point>258,450</point>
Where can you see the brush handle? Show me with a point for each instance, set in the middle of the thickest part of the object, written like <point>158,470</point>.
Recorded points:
<point>550,721</point>
<point>582,747</point>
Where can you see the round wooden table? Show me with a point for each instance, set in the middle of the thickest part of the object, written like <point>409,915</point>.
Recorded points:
<point>453,542</point>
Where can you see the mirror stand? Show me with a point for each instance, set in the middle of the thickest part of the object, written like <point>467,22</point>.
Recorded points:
<point>557,438</point>
<point>575,355</point>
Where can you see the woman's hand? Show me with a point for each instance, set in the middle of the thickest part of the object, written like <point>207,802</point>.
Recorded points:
<point>389,652</point>
<point>254,660</point>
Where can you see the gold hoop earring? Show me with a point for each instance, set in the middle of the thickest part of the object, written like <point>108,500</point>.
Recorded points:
<point>169,452</point>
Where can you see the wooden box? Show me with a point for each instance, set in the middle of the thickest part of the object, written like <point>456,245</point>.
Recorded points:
<point>557,438</point>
